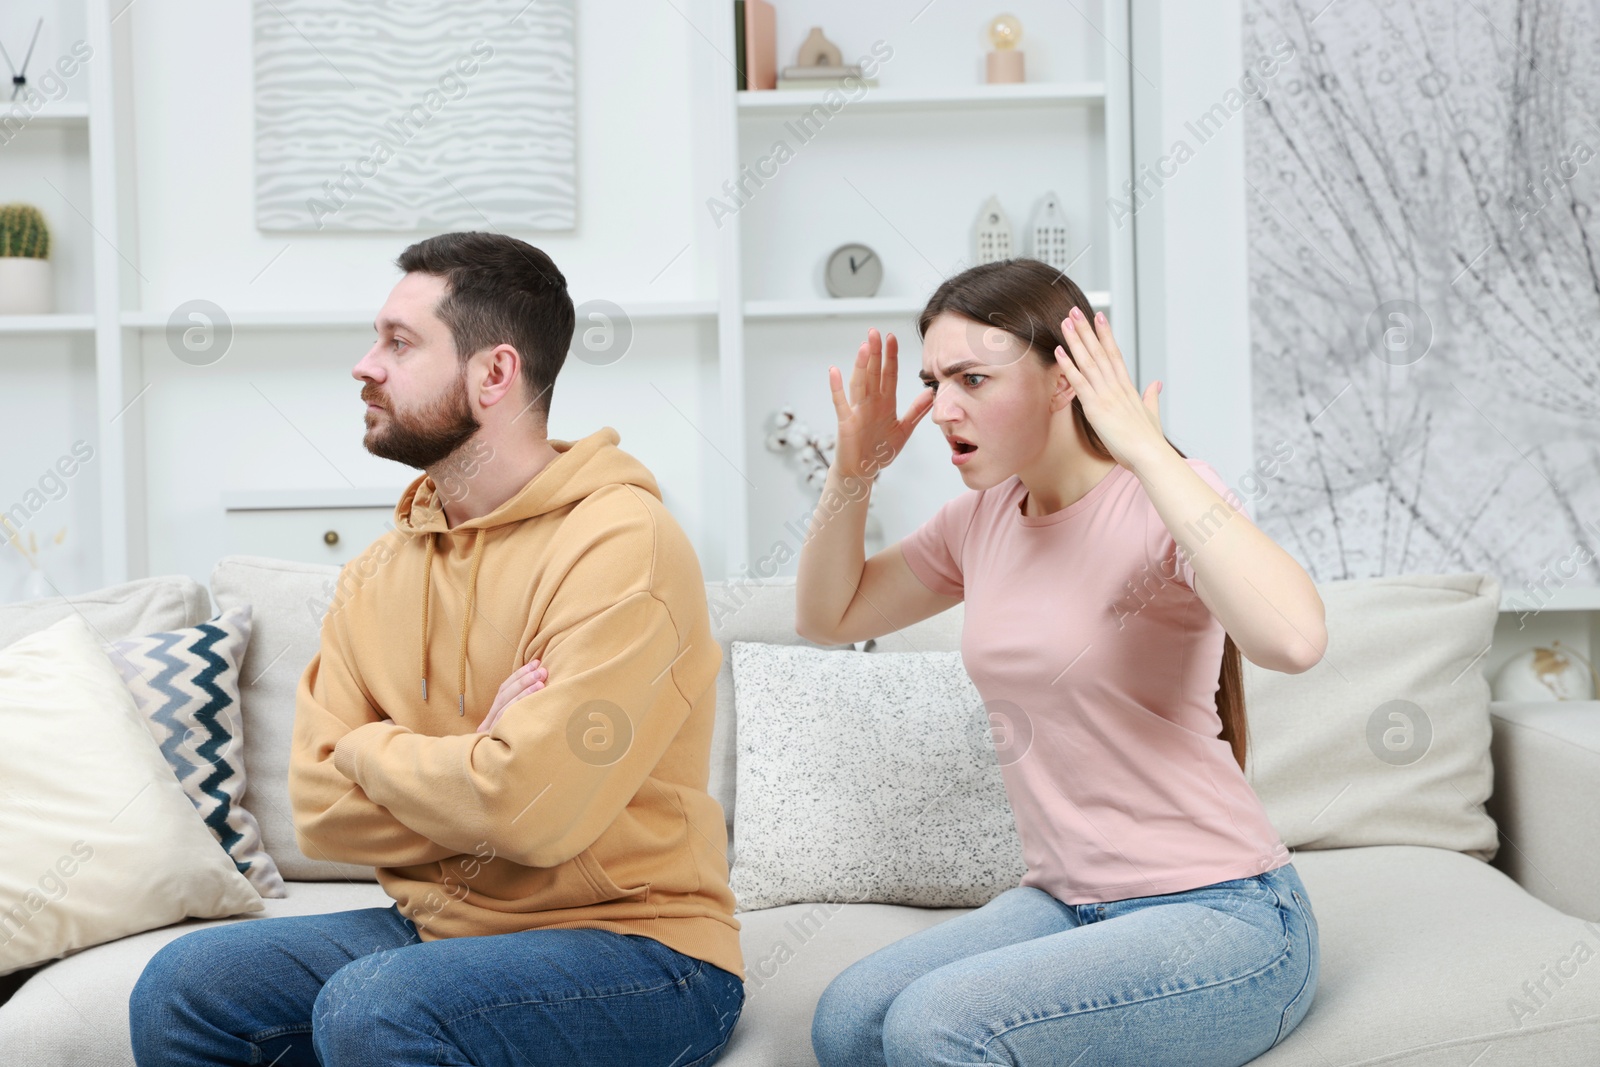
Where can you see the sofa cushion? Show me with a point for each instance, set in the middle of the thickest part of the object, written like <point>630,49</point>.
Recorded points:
<point>866,777</point>
<point>185,682</point>
<point>287,602</point>
<point>1386,740</point>
<point>74,1012</point>
<point>116,611</point>
<point>743,611</point>
<point>100,839</point>
<point>1412,974</point>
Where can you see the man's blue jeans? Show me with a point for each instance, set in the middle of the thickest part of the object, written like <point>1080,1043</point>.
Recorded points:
<point>1208,977</point>
<point>357,988</point>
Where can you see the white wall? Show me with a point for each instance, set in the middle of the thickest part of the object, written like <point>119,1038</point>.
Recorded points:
<point>1193,283</point>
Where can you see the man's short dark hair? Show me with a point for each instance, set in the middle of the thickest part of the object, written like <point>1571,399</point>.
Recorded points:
<point>500,291</point>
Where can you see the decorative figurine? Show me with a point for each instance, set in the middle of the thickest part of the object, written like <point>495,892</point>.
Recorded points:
<point>817,51</point>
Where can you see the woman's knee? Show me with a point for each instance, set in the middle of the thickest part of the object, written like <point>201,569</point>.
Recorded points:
<point>848,1022</point>
<point>926,1023</point>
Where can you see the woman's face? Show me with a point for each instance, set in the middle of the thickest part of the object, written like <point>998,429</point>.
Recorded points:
<point>991,393</point>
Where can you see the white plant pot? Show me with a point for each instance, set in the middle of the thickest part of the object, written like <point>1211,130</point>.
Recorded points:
<point>26,286</point>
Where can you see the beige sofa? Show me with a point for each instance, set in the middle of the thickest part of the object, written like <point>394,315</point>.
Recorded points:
<point>1425,949</point>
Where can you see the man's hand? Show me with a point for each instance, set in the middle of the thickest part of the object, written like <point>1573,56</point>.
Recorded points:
<point>528,678</point>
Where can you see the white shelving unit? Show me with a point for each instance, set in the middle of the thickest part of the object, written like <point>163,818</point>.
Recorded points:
<point>915,119</point>
<point>63,155</point>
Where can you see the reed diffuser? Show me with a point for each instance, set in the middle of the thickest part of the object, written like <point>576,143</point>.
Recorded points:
<point>35,584</point>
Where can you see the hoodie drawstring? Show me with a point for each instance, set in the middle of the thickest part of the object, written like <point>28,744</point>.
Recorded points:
<point>466,621</point>
<point>427,589</point>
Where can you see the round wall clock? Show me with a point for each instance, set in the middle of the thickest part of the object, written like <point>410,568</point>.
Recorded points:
<point>853,270</point>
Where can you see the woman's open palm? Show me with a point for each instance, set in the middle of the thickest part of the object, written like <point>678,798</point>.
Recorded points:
<point>870,434</point>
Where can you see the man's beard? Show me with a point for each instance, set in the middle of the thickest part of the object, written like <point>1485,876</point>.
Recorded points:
<point>427,437</point>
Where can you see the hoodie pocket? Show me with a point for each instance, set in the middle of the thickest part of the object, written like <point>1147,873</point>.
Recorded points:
<point>602,882</point>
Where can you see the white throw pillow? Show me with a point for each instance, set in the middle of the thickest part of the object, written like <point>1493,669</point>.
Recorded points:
<point>100,839</point>
<point>1386,740</point>
<point>866,777</point>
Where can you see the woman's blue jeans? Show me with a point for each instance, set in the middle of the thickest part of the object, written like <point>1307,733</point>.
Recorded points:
<point>359,987</point>
<point>1209,977</point>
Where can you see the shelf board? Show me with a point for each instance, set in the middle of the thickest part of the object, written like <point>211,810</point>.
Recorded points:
<point>1025,94</point>
<point>60,113</point>
<point>1572,598</point>
<point>841,307</point>
<point>46,324</point>
<point>335,318</point>
<point>264,318</point>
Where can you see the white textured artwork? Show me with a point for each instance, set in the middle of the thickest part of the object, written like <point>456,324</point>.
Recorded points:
<point>1425,287</point>
<point>415,115</point>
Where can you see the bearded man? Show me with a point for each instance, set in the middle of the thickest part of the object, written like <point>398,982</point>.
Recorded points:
<point>509,718</point>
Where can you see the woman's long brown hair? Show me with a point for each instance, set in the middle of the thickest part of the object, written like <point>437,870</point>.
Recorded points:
<point>1029,299</point>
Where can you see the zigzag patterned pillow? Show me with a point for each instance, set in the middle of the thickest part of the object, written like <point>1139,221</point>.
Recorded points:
<point>186,683</point>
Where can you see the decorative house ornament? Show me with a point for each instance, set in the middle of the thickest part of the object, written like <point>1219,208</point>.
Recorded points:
<point>25,281</point>
<point>992,236</point>
<point>1004,64</point>
<point>853,270</point>
<point>1047,232</point>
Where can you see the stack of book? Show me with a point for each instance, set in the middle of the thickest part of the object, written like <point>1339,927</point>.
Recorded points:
<point>824,78</point>
<point>755,44</point>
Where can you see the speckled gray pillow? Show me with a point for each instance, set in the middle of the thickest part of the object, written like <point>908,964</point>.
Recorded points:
<point>866,777</point>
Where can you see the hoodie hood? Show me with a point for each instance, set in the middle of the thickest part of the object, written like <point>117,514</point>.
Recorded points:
<point>581,467</point>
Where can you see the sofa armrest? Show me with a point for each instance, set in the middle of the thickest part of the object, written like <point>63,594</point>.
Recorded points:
<point>1546,800</point>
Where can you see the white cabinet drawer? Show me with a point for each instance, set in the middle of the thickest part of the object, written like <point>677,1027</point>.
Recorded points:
<point>271,524</point>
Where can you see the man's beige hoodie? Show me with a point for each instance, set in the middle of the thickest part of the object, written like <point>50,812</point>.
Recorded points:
<point>585,806</point>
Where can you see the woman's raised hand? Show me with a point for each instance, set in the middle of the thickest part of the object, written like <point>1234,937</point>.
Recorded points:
<point>528,678</point>
<point>870,434</point>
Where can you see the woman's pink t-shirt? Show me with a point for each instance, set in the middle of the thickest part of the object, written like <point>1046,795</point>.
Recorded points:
<point>1098,665</point>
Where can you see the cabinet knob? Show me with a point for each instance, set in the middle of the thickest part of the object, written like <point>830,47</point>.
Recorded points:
<point>331,537</point>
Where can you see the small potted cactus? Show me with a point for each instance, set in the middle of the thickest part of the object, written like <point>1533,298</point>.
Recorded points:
<point>25,281</point>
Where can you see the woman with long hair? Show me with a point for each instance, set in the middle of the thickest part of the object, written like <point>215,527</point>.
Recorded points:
<point>1110,589</point>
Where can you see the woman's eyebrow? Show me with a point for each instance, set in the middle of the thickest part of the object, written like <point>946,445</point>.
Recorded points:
<point>954,368</point>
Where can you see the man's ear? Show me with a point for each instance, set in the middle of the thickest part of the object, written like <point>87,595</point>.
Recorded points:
<point>500,374</point>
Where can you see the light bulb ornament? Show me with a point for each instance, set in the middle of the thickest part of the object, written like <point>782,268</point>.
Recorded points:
<point>1004,64</point>
<point>19,78</point>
